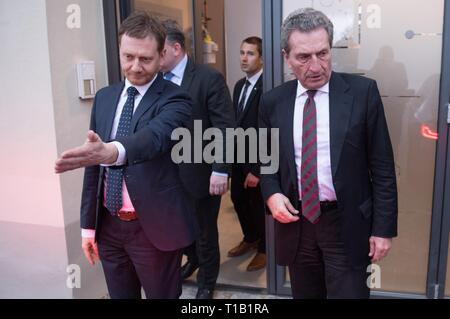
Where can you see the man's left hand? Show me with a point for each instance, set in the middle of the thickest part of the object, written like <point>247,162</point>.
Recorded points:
<point>93,152</point>
<point>379,248</point>
<point>251,181</point>
<point>218,185</point>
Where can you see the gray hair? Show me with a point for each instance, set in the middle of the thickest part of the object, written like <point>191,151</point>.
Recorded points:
<point>304,20</point>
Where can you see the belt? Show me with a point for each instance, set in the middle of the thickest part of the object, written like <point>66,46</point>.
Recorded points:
<point>126,216</point>
<point>325,206</point>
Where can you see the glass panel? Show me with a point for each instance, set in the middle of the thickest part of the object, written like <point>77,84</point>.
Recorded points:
<point>399,44</point>
<point>179,10</point>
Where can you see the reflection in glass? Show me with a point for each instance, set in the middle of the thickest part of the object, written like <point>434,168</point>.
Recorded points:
<point>397,43</point>
<point>179,10</point>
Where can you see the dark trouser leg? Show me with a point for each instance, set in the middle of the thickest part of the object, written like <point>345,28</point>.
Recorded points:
<point>342,279</point>
<point>130,262</point>
<point>240,199</point>
<point>158,271</point>
<point>191,253</point>
<point>208,242</point>
<point>256,205</point>
<point>321,268</point>
<point>120,274</point>
<point>307,271</point>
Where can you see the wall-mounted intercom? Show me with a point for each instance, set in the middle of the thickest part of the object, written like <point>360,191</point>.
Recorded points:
<point>86,79</point>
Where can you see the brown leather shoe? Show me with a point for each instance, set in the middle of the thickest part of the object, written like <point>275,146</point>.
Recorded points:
<point>242,248</point>
<point>258,262</point>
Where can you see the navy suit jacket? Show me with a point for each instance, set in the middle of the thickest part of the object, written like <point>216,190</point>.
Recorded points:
<point>212,105</point>
<point>362,164</point>
<point>248,119</point>
<point>164,209</point>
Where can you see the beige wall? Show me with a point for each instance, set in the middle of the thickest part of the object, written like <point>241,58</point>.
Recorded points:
<point>242,19</point>
<point>40,116</point>
<point>30,192</point>
<point>68,47</point>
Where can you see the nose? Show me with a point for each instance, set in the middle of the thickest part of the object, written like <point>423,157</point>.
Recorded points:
<point>314,64</point>
<point>136,67</point>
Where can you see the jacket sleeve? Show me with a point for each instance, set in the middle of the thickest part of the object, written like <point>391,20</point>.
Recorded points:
<point>382,168</point>
<point>90,185</point>
<point>270,183</point>
<point>221,114</point>
<point>155,138</point>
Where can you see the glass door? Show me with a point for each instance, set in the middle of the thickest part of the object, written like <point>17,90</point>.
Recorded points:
<point>400,45</point>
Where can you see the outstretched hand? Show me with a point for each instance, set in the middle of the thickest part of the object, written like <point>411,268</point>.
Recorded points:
<point>93,152</point>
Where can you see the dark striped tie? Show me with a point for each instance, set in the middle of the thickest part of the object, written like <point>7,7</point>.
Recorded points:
<point>309,182</point>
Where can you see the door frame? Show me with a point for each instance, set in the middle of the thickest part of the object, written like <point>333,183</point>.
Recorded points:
<point>440,223</point>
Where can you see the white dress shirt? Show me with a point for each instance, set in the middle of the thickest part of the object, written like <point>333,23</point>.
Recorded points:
<point>324,174</point>
<point>121,159</point>
<point>178,71</point>
<point>253,79</point>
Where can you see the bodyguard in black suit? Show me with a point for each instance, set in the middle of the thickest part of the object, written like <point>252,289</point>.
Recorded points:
<point>245,190</point>
<point>206,183</point>
<point>136,208</point>
<point>334,197</point>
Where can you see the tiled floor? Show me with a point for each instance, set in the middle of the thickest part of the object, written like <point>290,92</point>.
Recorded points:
<point>221,292</point>
<point>233,270</point>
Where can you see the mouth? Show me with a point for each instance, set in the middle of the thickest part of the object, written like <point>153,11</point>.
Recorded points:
<point>315,77</point>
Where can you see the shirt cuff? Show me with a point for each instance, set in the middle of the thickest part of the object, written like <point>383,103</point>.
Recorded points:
<point>121,157</point>
<point>88,233</point>
<point>220,174</point>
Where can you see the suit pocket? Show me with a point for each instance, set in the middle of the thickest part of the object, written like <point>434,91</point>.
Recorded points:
<point>366,208</point>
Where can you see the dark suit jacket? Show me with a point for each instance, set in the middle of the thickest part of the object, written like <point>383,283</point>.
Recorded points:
<point>212,105</point>
<point>164,209</point>
<point>361,160</point>
<point>248,119</point>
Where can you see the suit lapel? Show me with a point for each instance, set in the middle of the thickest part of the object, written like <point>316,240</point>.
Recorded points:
<point>111,113</point>
<point>287,120</point>
<point>340,112</point>
<point>151,96</point>
<point>188,75</point>
<point>256,89</point>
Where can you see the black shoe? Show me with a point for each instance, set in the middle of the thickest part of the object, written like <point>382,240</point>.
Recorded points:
<point>204,294</point>
<point>188,269</point>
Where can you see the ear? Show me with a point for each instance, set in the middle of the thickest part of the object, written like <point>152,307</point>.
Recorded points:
<point>177,48</point>
<point>286,58</point>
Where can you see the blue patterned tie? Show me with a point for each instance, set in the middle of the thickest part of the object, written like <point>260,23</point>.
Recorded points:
<point>168,76</point>
<point>115,174</point>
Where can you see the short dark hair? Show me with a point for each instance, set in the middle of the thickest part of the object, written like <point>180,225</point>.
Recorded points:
<point>140,25</point>
<point>255,41</point>
<point>174,34</point>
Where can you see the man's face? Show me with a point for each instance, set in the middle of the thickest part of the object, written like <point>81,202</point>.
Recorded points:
<point>251,61</point>
<point>139,59</point>
<point>170,56</point>
<point>310,58</point>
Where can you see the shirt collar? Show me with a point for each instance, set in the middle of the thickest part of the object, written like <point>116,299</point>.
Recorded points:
<point>142,89</point>
<point>253,79</point>
<point>301,90</point>
<point>178,70</point>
